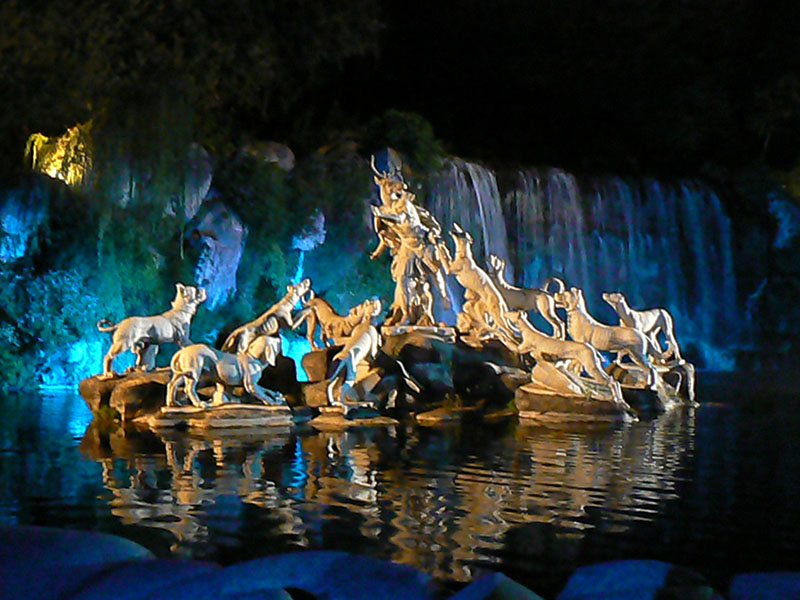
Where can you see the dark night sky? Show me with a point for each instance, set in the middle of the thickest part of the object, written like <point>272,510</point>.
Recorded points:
<point>626,86</point>
<point>618,85</point>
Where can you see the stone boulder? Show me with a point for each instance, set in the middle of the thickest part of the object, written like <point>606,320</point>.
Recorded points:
<point>765,586</point>
<point>336,575</point>
<point>534,402</point>
<point>317,362</point>
<point>96,392</point>
<point>636,580</point>
<point>140,394</point>
<point>220,234</point>
<point>495,586</point>
<point>44,562</point>
<point>270,152</point>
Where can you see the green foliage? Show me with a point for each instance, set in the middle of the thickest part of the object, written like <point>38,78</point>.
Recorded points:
<point>59,308</point>
<point>409,134</point>
<point>103,254</point>
<point>232,62</point>
<point>17,372</point>
<point>345,278</point>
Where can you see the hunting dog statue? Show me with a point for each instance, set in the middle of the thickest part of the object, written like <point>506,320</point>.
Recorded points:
<point>484,312</point>
<point>527,299</point>
<point>241,337</point>
<point>227,370</point>
<point>543,347</point>
<point>143,335</point>
<point>650,322</point>
<point>582,327</point>
<point>333,327</point>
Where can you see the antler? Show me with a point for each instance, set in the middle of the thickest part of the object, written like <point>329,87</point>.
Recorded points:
<point>374,168</point>
<point>395,171</point>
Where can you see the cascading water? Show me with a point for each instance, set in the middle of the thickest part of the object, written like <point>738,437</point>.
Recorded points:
<point>467,194</point>
<point>660,245</point>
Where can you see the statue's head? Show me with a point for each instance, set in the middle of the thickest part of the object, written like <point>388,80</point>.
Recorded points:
<point>299,289</point>
<point>571,298</point>
<point>391,185</point>
<point>188,297</point>
<point>460,236</point>
<point>613,298</point>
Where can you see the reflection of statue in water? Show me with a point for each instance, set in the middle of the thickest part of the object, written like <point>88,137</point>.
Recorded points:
<point>413,237</point>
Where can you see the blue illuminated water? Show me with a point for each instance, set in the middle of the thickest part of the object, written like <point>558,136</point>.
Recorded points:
<point>717,489</point>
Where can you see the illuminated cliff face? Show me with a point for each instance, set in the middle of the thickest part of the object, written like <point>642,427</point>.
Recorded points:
<point>68,157</point>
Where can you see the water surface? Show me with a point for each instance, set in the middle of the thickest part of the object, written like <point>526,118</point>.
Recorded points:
<point>716,488</point>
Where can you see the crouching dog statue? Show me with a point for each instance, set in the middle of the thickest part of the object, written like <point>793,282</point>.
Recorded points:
<point>143,335</point>
<point>226,370</point>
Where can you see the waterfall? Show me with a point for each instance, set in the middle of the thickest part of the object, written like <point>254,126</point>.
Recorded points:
<point>662,245</point>
<point>467,194</point>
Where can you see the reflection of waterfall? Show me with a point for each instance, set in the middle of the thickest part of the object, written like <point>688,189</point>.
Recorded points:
<point>661,245</point>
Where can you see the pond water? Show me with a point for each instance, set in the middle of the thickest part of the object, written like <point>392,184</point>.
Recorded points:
<point>716,488</point>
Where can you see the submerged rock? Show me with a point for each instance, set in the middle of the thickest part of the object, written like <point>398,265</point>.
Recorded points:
<point>765,586</point>
<point>495,586</point>
<point>636,580</point>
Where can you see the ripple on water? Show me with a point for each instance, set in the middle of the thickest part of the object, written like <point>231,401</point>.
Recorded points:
<point>532,501</point>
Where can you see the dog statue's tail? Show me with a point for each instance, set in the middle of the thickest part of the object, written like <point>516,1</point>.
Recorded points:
<point>559,283</point>
<point>106,326</point>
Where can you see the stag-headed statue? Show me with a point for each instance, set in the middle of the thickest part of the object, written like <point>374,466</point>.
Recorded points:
<point>413,237</point>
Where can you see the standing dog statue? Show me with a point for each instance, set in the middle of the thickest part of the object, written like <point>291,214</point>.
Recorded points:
<point>484,312</point>
<point>582,327</point>
<point>650,322</point>
<point>333,327</point>
<point>527,299</point>
<point>143,335</point>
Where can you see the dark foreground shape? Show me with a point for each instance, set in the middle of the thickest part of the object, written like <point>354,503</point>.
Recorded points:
<point>765,586</point>
<point>639,579</point>
<point>56,564</point>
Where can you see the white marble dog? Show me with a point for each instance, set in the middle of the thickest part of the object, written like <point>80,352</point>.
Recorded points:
<point>227,370</point>
<point>241,337</point>
<point>527,299</point>
<point>143,335</point>
<point>650,322</point>
<point>542,346</point>
<point>484,312</point>
<point>582,327</point>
